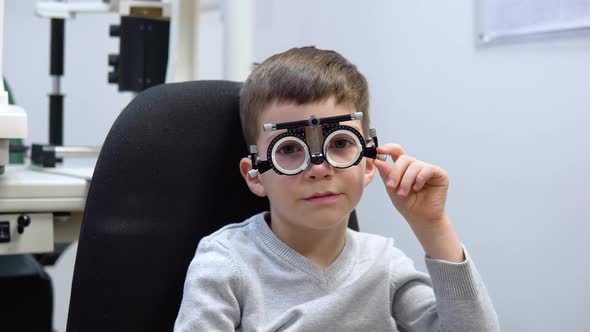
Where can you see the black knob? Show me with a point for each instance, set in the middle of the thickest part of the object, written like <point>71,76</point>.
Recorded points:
<point>22,222</point>
<point>113,77</point>
<point>115,30</point>
<point>113,60</point>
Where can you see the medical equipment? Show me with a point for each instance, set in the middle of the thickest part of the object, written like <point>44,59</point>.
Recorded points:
<point>56,192</point>
<point>13,124</point>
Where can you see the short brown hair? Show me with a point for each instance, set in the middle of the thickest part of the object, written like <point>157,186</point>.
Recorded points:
<point>301,75</point>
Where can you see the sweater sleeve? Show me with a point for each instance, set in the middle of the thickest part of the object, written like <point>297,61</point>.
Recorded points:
<point>453,298</point>
<point>210,301</point>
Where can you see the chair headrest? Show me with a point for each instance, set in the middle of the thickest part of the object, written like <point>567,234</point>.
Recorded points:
<point>167,175</point>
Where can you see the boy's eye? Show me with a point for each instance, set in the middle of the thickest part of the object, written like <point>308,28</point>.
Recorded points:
<point>341,143</point>
<point>288,148</point>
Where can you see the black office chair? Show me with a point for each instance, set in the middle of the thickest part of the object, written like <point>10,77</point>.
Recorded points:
<point>167,175</point>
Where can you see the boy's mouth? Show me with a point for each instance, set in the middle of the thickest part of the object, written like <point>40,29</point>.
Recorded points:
<point>322,197</point>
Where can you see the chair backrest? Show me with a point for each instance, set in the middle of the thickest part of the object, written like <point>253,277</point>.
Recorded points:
<point>167,175</point>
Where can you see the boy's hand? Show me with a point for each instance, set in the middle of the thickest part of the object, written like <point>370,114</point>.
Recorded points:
<point>418,190</point>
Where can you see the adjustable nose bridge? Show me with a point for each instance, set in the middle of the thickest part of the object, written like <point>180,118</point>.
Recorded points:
<point>315,140</point>
<point>318,159</point>
<point>319,167</point>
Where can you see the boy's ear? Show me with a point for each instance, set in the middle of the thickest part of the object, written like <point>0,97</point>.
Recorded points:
<point>254,184</point>
<point>370,170</point>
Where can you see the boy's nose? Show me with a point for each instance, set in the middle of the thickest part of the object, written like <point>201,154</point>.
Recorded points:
<point>319,170</point>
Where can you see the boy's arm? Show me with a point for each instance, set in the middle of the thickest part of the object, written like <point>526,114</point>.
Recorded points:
<point>418,190</point>
<point>454,298</point>
<point>439,240</point>
<point>211,290</point>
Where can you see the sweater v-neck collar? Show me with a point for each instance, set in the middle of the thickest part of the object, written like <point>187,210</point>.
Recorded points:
<point>328,276</point>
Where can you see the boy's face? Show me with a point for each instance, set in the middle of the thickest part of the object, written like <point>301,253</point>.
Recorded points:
<point>321,196</point>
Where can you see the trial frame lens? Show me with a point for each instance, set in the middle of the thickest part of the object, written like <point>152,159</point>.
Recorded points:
<point>298,161</point>
<point>347,160</point>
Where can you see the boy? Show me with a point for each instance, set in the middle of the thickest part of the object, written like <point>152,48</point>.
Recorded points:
<point>298,267</point>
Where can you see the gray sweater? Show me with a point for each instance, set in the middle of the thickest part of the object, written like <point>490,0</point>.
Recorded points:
<point>243,278</point>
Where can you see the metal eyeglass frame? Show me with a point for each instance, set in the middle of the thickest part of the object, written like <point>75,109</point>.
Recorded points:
<point>327,126</point>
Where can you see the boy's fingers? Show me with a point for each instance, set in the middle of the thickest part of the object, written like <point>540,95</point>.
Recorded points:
<point>394,150</point>
<point>397,171</point>
<point>409,177</point>
<point>431,174</point>
<point>425,174</point>
<point>392,174</point>
<point>384,169</point>
<point>401,175</point>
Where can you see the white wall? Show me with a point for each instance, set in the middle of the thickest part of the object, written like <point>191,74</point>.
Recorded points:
<point>509,123</point>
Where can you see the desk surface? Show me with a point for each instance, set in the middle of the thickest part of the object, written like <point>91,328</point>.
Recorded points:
<point>24,188</point>
<point>39,193</point>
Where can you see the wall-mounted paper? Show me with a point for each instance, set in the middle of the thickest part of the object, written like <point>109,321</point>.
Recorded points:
<point>507,18</point>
